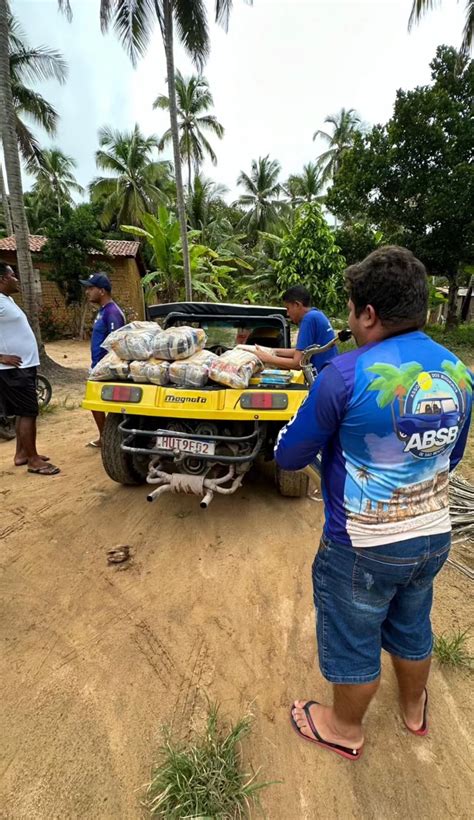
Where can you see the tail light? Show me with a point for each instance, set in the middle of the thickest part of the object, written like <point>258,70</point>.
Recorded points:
<point>264,401</point>
<point>121,393</point>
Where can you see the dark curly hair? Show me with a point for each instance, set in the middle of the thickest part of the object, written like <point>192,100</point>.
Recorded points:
<point>395,283</point>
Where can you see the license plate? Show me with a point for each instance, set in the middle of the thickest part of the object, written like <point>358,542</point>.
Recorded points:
<point>185,445</point>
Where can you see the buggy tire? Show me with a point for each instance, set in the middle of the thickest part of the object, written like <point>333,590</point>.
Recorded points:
<point>119,466</point>
<point>291,484</point>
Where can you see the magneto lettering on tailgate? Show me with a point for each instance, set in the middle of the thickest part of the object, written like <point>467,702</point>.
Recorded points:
<point>186,399</point>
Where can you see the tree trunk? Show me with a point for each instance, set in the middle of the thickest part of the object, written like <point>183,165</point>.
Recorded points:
<point>5,203</point>
<point>168,43</point>
<point>466,302</point>
<point>12,165</point>
<point>190,176</point>
<point>452,317</point>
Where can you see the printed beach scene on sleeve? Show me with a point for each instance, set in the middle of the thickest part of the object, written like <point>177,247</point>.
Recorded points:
<point>398,474</point>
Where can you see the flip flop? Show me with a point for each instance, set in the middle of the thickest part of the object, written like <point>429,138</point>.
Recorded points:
<point>343,751</point>
<point>94,445</point>
<point>48,469</point>
<point>424,729</point>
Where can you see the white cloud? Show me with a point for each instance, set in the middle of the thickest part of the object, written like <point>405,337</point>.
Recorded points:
<point>282,67</point>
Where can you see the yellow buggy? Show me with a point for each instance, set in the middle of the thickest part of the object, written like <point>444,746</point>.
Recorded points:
<point>202,440</point>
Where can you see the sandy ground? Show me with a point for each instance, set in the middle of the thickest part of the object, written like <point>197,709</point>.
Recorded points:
<point>214,604</point>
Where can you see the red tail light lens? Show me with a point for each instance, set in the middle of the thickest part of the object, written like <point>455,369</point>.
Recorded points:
<point>264,401</point>
<point>121,393</point>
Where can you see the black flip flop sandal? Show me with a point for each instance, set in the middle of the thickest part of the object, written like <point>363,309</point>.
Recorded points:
<point>343,751</point>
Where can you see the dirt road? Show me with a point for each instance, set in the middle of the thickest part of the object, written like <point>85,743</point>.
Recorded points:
<point>215,604</point>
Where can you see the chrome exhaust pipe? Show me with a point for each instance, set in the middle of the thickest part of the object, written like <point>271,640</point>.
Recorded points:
<point>165,488</point>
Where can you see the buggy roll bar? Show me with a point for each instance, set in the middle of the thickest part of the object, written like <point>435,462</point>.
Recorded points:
<point>308,369</point>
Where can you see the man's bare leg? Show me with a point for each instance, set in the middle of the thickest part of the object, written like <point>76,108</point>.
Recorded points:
<point>412,677</point>
<point>26,452</point>
<point>342,722</point>
<point>21,456</point>
<point>99,419</point>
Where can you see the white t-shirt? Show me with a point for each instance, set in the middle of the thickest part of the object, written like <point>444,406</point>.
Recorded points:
<point>16,335</point>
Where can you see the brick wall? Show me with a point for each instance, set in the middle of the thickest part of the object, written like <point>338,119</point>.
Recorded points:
<point>126,291</point>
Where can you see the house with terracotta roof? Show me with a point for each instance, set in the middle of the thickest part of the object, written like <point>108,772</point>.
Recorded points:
<point>125,269</point>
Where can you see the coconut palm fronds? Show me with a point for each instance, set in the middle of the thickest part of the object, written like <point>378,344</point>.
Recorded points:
<point>461,502</point>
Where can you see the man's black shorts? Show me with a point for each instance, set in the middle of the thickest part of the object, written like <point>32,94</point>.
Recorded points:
<point>18,392</point>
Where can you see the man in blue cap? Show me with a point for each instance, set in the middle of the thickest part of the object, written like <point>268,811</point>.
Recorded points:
<point>109,317</point>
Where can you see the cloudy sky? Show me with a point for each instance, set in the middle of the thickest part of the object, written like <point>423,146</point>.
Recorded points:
<point>281,69</point>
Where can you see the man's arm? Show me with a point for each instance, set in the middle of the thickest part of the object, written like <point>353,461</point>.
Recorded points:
<point>284,359</point>
<point>317,420</point>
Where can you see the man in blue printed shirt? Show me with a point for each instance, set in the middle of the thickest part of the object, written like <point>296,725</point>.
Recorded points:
<point>391,420</point>
<point>109,317</point>
<point>314,329</point>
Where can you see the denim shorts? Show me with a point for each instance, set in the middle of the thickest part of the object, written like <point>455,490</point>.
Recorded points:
<point>372,599</point>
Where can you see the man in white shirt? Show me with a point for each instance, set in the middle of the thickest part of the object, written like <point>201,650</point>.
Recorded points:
<point>19,359</point>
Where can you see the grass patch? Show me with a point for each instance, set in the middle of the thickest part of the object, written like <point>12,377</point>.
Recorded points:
<point>450,650</point>
<point>460,340</point>
<point>204,778</point>
<point>67,403</point>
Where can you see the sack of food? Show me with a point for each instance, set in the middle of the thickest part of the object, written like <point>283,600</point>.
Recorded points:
<point>133,341</point>
<point>178,343</point>
<point>192,372</point>
<point>235,368</point>
<point>153,371</point>
<point>157,371</point>
<point>110,368</point>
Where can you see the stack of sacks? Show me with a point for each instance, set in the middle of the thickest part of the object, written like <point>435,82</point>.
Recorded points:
<point>144,350</point>
<point>192,372</point>
<point>236,367</point>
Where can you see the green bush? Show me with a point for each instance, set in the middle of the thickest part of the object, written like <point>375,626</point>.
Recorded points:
<point>52,327</point>
<point>459,339</point>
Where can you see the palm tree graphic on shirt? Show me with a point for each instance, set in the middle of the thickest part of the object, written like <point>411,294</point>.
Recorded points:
<point>393,383</point>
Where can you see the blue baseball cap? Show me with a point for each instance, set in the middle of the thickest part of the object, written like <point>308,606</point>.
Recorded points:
<point>97,280</point>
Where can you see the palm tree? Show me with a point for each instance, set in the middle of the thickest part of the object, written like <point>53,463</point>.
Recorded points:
<point>421,6</point>
<point>262,192</point>
<point>55,178</point>
<point>134,21</point>
<point>363,475</point>
<point>163,235</point>
<point>31,289</point>
<point>202,196</point>
<point>307,186</point>
<point>137,183</point>
<point>460,375</point>
<point>26,64</point>
<point>346,123</point>
<point>193,99</point>
<point>393,384</point>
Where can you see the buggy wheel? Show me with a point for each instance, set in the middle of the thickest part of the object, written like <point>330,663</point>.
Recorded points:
<point>291,484</point>
<point>121,467</point>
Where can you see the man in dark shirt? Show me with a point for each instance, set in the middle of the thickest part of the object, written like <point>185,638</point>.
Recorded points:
<point>314,329</point>
<point>109,317</point>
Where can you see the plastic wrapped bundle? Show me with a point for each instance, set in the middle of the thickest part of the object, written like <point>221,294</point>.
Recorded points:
<point>153,371</point>
<point>133,341</point>
<point>157,371</point>
<point>110,368</point>
<point>235,368</point>
<point>178,343</point>
<point>192,372</point>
